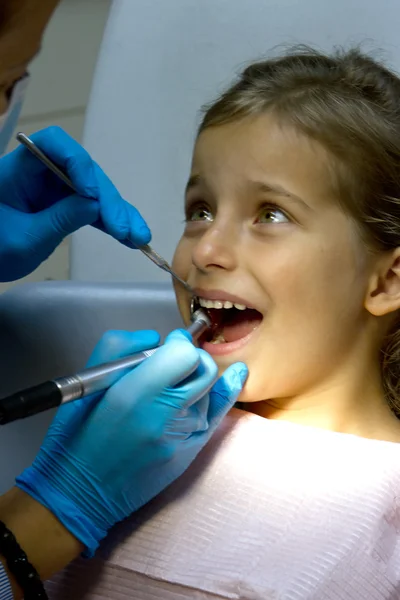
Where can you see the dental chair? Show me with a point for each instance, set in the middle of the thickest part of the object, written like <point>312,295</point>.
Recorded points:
<point>50,329</point>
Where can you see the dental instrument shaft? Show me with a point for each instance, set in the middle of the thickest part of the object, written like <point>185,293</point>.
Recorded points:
<point>51,394</point>
<point>145,249</point>
<point>162,264</point>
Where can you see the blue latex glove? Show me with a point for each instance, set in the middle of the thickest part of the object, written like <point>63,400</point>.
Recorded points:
<point>37,210</point>
<point>103,459</point>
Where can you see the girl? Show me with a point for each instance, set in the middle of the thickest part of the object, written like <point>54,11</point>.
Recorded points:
<point>292,242</point>
<point>293,211</point>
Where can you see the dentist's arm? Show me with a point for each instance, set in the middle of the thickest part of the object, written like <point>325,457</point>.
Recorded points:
<point>37,210</point>
<point>48,545</point>
<point>103,458</point>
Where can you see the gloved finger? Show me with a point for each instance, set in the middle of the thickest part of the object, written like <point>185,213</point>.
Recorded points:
<point>172,363</point>
<point>225,393</point>
<point>71,157</point>
<point>192,419</point>
<point>53,224</point>
<point>179,335</point>
<point>197,384</point>
<point>117,344</point>
<point>118,218</point>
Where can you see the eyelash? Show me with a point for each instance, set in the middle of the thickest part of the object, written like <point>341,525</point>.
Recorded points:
<point>271,206</point>
<point>192,208</point>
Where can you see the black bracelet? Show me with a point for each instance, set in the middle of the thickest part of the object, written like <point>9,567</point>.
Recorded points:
<point>17,562</point>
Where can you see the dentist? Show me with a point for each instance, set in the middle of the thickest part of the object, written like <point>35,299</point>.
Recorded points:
<point>104,456</point>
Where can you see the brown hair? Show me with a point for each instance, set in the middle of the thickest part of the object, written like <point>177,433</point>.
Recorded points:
<point>350,103</point>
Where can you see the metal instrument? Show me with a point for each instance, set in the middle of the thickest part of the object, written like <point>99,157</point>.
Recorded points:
<point>52,393</point>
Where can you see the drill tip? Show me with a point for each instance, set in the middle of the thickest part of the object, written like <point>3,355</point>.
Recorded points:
<point>201,315</point>
<point>200,323</point>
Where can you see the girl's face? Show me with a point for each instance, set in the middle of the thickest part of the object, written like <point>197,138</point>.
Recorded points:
<point>264,230</point>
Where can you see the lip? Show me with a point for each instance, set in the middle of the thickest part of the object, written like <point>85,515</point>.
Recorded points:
<point>221,295</point>
<point>228,347</point>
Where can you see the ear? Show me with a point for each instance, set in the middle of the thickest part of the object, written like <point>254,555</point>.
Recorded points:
<point>383,296</point>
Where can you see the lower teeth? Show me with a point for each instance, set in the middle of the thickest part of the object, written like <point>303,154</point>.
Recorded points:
<point>219,339</point>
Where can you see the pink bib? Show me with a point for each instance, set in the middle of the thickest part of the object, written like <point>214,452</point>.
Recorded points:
<point>268,511</point>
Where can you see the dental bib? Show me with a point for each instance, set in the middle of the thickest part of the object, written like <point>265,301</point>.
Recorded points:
<point>268,511</point>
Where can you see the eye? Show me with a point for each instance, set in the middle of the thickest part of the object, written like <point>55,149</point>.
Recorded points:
<point>199,212</point>
<point>272,214</point>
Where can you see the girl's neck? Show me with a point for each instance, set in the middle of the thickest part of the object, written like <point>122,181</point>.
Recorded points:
<point>347,405</point>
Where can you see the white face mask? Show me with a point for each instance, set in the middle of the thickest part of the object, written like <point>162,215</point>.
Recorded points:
<point>8,120</point>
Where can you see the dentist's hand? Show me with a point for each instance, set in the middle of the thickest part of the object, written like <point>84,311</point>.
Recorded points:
<point>37,210</point>
<point>103,459</point>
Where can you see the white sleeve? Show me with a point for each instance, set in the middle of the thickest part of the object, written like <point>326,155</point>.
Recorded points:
<point>5,586</point>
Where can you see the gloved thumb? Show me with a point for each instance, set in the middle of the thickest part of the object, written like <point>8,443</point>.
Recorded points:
<point>53,224</point>
<point>224,394</point>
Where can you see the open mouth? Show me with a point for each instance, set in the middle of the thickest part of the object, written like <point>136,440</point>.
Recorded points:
<point>232,323</point>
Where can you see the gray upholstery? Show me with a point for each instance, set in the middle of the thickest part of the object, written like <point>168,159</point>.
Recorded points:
<point>49,329</point>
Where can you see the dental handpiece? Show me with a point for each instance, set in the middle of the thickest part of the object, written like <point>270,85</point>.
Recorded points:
<point>51,394</point>
<point>145,249</point>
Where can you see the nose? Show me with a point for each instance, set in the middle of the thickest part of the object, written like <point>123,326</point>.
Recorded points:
<point>217,248</point>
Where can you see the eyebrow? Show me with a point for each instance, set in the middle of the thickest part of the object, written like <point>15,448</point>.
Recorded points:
<point>270,188</point>
<point>193,181</point>
<point>260,186</point>
<point>26,63</point>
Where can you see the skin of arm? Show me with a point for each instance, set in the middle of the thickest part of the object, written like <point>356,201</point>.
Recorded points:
<point>47,544</point>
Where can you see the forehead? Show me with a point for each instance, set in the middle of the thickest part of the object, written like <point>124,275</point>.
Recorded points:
<point>259,148</point>
<point>18,46</point>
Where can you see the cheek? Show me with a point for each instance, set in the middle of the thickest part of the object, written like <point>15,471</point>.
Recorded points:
<point>181,264</point>
<point>302,277</point>
<point>311,320</point>
<point>286,272</point>
<point>314,274</point>
<point>182,259</point>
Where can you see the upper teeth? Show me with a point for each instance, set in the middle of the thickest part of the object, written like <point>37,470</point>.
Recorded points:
<point>220,304</point>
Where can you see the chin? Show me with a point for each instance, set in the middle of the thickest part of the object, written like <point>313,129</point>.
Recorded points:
<point>245,397</point>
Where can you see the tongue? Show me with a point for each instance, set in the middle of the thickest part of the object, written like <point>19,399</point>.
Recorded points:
<point>241,324</point>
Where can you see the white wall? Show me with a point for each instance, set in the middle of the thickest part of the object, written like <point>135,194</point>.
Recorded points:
<point>59,90</point>
<point>159,62</point>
